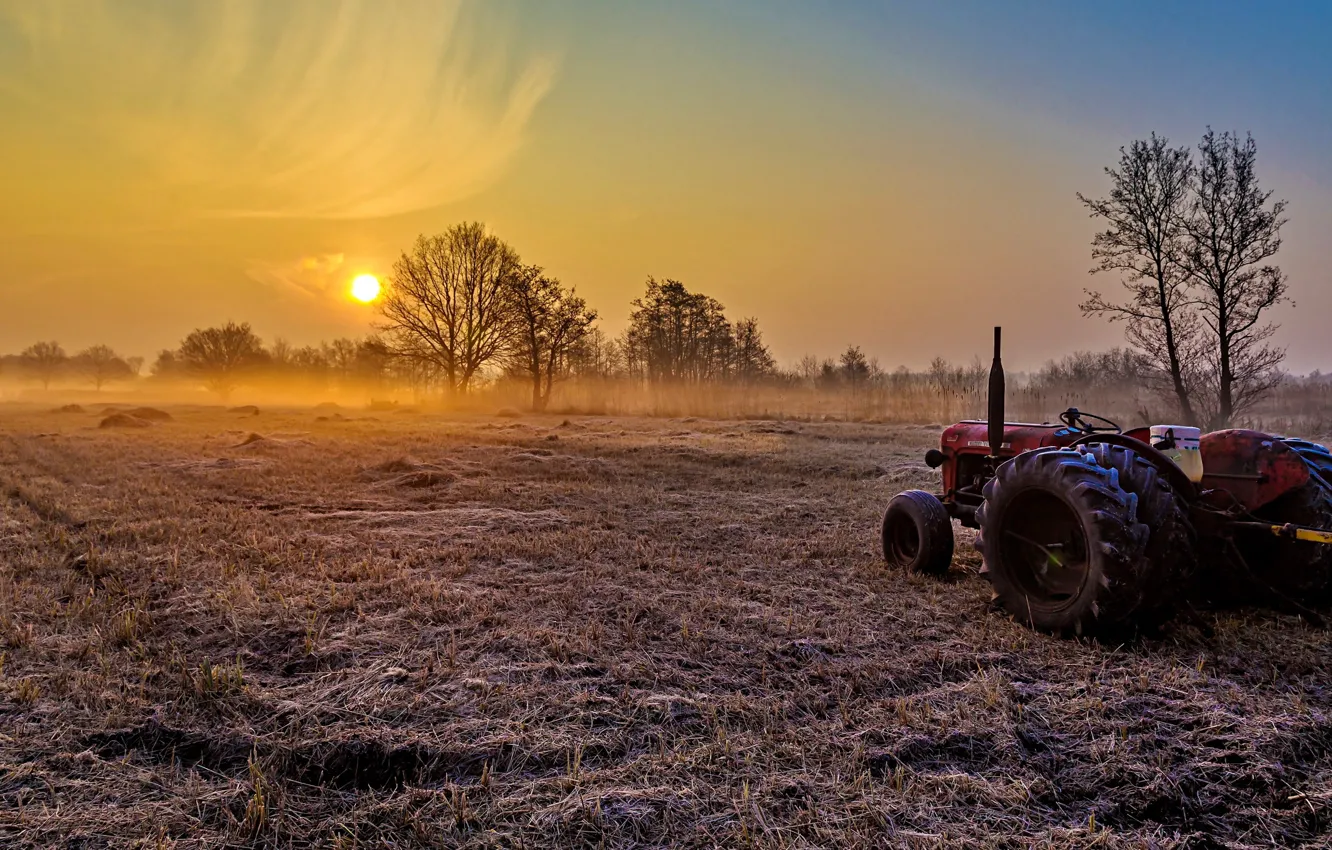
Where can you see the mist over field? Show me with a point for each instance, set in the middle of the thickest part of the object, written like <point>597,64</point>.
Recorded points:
<point>500,424</point>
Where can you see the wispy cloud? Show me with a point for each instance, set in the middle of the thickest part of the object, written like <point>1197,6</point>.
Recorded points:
<point>318,276</point>
<point>302,108</point>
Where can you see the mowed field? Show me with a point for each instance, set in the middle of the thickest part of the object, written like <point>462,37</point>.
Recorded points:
<point>314,629</point>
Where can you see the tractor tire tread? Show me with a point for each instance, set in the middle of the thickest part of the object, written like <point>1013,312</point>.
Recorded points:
<point>1115,538</point>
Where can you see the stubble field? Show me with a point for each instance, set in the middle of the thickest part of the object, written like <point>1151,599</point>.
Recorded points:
<point>312,628</point>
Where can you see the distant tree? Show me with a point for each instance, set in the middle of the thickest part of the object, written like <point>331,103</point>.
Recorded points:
<point>596,356</point>
<point>135,365</point>
<point>447,302</point>
<point>45,360</point>
<point>167,365</point>
<point>101,364</point>
<point>808,369</point>
<point>221,357</point>
<point>854,367</point>
<point>1118,368</point>
<point>1234,229</point>
<point>550,321</point>
<point>373,357</point>
<point>678,336</point>
<point>1145,215</point>
<point>830,376</point>
<point>279,355</point>
<point>751,359</point>
<point>310,362</point>
<point>340,355</point>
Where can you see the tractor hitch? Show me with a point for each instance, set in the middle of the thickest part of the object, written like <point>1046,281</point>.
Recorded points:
<point>1289,531</point>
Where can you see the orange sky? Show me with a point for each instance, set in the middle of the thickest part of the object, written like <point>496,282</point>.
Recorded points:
<point>171,165</point>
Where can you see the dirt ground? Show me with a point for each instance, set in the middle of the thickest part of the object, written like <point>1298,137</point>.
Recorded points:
<point>330,628</point>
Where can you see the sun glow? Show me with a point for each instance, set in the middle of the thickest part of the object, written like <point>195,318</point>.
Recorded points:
<point>365,288</point>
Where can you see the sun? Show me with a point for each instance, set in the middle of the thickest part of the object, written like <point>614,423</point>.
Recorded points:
<point>365,288</point>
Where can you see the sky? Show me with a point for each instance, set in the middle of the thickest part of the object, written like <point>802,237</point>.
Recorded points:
<point>895,175</point>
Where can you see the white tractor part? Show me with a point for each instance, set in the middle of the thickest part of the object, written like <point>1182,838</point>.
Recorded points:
<point>1180,443</point>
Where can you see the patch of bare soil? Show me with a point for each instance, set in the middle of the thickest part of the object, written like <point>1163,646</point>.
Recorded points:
<point>455,633</point>
<point>69,408</point>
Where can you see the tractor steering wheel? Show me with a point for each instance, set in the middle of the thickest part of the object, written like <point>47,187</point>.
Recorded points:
<point>1077,420</point>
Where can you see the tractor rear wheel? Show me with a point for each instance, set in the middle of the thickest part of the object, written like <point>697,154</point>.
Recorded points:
<point>1171,557</point>
<point>1062,543</point>
<point>918,533</point>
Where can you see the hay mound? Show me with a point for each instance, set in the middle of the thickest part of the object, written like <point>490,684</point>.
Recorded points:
<point>245,410</point>
<point>424,478</point>
<point>409,473</point>
<point>273,441</point>
<point>149,414</point>
<point>123,420</point>
<point>69,408</point>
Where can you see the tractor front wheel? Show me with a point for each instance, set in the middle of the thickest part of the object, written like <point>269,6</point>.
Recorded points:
<point>918,533</point>
<point>1062,543</point>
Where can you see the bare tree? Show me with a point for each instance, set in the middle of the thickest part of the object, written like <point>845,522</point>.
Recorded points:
<point>1233,229</point>
<point>1145,215</point>
<point>221,356</point>
<point>45,360</point>
<point>447,302</point>
<point>596,356</point>
<point>1193,240</point>
<point>551,322</point>
<point>101,364</point>
<point>808,369</point>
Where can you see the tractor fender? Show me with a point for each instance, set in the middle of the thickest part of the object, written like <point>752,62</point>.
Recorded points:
<point>1168,469</point>
<point>1254,467</point>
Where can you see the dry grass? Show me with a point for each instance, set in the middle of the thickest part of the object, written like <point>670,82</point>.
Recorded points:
<point>418,631</point>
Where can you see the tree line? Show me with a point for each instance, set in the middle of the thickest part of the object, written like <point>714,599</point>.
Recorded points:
<point>47,361</point>
<point>1190,232</point>
<point>462,301</point>
<point>459,307</point>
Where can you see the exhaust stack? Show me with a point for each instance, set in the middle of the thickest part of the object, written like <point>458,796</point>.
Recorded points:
<point>995,416</point>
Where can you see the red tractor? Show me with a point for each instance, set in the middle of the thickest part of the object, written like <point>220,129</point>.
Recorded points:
<point>1086,528</point>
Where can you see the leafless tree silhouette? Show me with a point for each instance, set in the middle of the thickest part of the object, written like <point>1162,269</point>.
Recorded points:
<point>550,323</point>
<point>448,302</point>
<point>1145,214</point>
<point>45,360</point>
<point>221,356</point>
<point>1193,240</point>
<point>100,364</point>
<point>1234,228</point>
